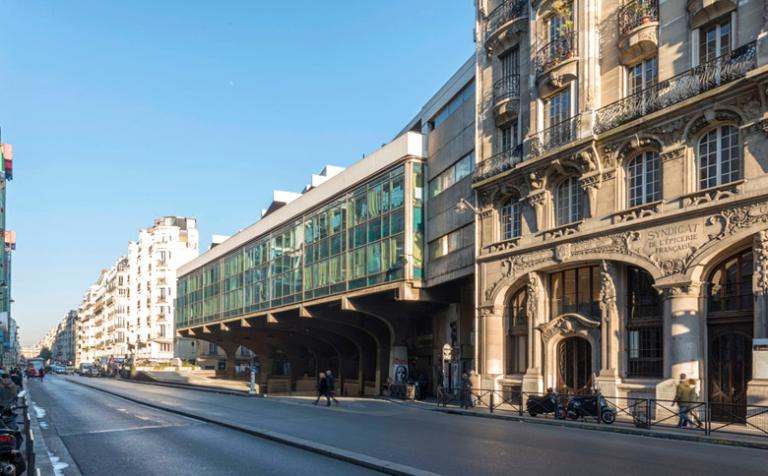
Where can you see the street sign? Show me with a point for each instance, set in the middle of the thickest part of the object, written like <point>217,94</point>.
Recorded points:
<point>447,350</point>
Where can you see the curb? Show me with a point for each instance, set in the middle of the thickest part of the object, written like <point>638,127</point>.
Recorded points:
<point>612,429</point>
<point>200,388</point>
<point>352,457</point>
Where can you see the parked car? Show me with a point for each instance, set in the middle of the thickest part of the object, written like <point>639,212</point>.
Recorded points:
<point>87,369</point>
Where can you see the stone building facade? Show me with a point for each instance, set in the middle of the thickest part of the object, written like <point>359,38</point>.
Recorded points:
<point>622,197</point>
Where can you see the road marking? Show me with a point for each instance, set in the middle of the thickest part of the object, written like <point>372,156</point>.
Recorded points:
<point>333,452</point>
<point>119,430</point>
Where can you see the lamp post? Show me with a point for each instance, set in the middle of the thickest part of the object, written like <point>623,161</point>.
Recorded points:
<point>462,206</point>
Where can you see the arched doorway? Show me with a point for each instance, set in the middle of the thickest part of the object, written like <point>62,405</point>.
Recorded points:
<point>574,365</point>
<point>729,330</point>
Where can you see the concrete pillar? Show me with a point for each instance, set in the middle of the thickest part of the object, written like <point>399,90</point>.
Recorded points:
<point>608,378</point>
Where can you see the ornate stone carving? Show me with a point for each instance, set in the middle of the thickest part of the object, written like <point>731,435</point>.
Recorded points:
<point>673,154</point>
<point>681,290</point>
<point>670,132</point>
<point>760,248</point>
<point>631,147</point>
<point>503,246</point>
<point>735,219</point>
<point>759,126</point>
<point>567,324</point>
<point>487,311</point>
<point>607,293</point>
<point>711,117</point>
<point>636,213</point>
<point>710,195</point>
<point>532,296</point>
<point>591,183</point>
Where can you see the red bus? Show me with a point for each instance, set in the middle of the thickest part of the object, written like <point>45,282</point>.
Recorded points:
<point>34,366</point>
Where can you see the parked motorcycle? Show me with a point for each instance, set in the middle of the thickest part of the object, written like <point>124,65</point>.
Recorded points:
<point>549,403</point>
<point>592,406</point>
<point>12,461</point>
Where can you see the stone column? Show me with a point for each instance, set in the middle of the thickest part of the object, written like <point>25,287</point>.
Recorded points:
<point>608,378</point>
<point>533,381</point>
<point>757,389</point>
<point>683,351</point>
<point>492,345</point>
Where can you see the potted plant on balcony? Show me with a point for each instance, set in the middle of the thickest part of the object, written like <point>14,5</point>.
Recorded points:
<point>564,9</point>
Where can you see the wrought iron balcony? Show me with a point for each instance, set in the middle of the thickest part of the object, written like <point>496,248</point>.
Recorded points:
<point>508,11</point>
<point>498,163</point>
<point>636,13</point>
<point>702,78</point>
<point>560,49</point>
<point>557,135</point>
<point>506,88</point>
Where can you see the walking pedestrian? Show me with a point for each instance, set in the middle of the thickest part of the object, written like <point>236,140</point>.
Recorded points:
<point>466,391</point>
<point>42,373</point>
<point>322,387</point>
<point>683,399</point>
<point>441,397</point>
<point>331,384</point>
<point>16,378</point>
<point>693,409</point>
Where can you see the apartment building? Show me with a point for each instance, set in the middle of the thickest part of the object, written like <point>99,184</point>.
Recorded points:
<point>621,194</point>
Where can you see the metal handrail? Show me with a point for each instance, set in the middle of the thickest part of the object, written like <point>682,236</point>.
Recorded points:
<point>556,51</point>
<point>498,163</point>
<point>721,70</point>
<point>504,13</point>
<point>506,88</point>
<point>637,12</point>
<point>556,135</point>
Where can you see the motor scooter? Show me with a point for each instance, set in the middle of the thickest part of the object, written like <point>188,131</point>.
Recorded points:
<point>549,403</point>
<point>12,461</point>
<point>583,406</point>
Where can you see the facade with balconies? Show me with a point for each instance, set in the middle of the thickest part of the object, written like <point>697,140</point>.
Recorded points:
<point>624,243</point>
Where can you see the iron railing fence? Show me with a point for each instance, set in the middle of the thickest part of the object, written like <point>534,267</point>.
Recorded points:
<point>721,70</point>
<point>507,87</point>
<point>556,51</point>
<point>504,13</point>
<point>637,12</point>
<point>641,412</point>
<point>556,135</point>
<point>498,163</point>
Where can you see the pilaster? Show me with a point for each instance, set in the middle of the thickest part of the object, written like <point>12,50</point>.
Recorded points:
<point>533,380</point>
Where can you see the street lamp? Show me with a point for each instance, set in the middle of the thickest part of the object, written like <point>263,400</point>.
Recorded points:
<point>464,205</point>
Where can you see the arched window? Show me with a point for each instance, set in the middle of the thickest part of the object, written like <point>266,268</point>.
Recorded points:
<point>645,345</point>
<point>644,179</point>
<point>517,335</point>
<point>719,157</point>
<point>568,201</point>
<point>730,285</point>
<point>510,219</point>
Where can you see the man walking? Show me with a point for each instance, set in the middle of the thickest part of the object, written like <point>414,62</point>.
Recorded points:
<point>466,391</point>
<point>331,388</point>
<point>683,399</point>
<point>322,388</point>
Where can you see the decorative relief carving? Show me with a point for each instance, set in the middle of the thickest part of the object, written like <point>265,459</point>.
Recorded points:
<point>636,213</point>
<point>735,219</point>
<point>712,117</point>
<point>759,126</point>
<point>670,132</point>
<point>567,324</point>
<point>561,231</point>
<point>682,290</point>
<point>507,245</point>
<point>532,296</point>
<point>673,154</point>
<point>607,293</point>
<point>760,249</point>
<point>710,195</point>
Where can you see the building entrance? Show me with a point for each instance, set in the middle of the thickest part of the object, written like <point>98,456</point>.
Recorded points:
<point>730,368</point>
<point>574,365</point>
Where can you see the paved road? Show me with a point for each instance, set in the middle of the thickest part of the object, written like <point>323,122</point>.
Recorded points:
<point>96,434</point>
<point>450,444</point>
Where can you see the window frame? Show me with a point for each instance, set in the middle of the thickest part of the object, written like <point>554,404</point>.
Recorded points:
<point>574,199</point>
<point>656,171</point>
<point>510,216</point>
<point>735,149</point>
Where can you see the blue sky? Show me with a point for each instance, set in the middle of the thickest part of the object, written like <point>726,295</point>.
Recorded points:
<point>121,111</point>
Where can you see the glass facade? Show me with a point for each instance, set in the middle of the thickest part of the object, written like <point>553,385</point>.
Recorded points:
<point>354,241</point>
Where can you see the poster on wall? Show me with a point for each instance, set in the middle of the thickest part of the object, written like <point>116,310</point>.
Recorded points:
<point>400,364</point>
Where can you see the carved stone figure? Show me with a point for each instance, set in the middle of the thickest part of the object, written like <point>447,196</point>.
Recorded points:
<point>761,262</point>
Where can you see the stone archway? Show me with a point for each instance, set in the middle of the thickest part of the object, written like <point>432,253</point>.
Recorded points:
<point>561,329</point>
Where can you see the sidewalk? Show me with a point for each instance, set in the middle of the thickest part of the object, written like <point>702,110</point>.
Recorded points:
<point>695,435</point>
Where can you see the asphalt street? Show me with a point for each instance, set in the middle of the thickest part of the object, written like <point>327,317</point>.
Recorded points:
<point>91,433</point>
<point>416,437</point>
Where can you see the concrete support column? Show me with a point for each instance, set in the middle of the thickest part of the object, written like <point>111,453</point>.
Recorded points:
<point>683,349</point>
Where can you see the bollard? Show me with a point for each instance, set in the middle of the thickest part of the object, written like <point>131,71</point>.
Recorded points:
<point>491,403</point>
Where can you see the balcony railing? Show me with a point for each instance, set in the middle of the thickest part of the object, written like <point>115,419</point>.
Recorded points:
<point>507,87</point>
<point>556,135</point>
<point>498,163</point>
<point>702,78</point>
<point>504,13</point>
<point>637,12</point>
<point>556,51</point>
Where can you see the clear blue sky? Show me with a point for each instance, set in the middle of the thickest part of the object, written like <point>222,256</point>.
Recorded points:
<point>120,111</point>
